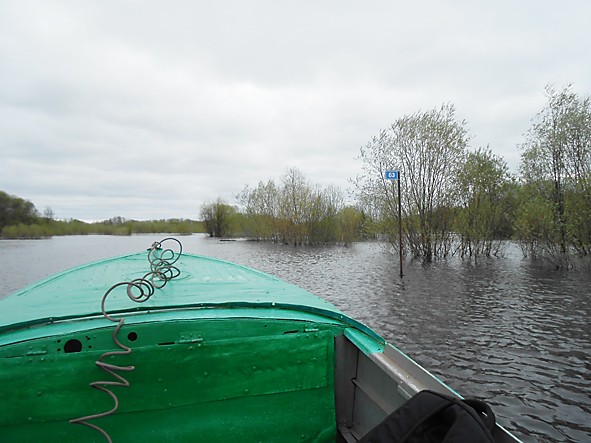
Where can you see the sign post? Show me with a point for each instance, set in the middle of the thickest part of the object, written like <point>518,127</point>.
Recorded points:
<point>395,176</point>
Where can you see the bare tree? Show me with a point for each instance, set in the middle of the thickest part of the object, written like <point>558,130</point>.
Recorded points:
<point>48,213</point>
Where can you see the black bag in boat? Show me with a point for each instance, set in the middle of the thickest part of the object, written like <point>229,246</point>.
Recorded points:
<point>433,417</point>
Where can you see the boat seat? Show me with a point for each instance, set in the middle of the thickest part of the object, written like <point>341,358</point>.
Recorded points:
<point>434,417</point>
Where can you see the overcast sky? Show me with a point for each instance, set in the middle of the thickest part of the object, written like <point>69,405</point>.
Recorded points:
<point>147,109</point>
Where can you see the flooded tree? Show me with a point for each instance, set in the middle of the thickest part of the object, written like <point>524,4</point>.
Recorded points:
<point>486,204</point>
<point>261,210</point>
<point>428,149</point>
<point>352,225</point>
<point>296,212</point>
<point>556,174</point>
<point>295,207</point>
<point>217,218</point>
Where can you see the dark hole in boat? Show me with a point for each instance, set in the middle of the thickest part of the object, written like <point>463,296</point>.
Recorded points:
<point>168,343</point>
<point>73,345</point>
<point>295,331</point>
<point>132,336</point>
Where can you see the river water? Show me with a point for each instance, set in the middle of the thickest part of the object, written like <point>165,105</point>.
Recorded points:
<point>505,330</point>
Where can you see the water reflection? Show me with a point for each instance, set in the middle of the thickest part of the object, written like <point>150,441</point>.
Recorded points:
<point>504,330</point>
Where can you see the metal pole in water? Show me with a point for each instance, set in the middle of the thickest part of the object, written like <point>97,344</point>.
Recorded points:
<point>395,176</point>
<point>400,225</point>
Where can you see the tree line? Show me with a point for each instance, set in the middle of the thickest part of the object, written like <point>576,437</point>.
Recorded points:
<point>293,211</point>
<point>20,218</point>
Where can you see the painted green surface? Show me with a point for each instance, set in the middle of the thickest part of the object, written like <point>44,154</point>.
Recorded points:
<point>206,281</point>
<point>272,373</point>
<point>221,353</point>
<point>246,419</point>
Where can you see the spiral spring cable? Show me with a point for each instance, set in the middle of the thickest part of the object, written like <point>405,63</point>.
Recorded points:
<point>139,290</point>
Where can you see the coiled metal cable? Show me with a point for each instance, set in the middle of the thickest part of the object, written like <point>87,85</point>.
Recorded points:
<point>162,270</point>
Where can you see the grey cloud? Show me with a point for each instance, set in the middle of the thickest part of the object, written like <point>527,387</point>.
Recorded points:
<point>147,108</point>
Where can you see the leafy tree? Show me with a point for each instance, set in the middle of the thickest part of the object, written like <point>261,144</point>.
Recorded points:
<point>261,206</point>
<point>294,212</point>
<point>295,207</point>
<point>556,172</point>
<point>322,225</point>
<point>428,149</point>
<point>534,225</point>
<point>217,217</point>
<point>351,225</point>
<point>487,203</point>
<point>15,210</point>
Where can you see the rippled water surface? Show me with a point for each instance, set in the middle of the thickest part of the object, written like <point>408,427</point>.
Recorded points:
<point>505,330</point>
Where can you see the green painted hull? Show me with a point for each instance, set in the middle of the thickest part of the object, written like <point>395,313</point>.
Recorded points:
<point>239,378</point>
<point>220,353</point>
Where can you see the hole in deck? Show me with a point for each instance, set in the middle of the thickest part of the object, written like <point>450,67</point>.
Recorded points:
<point>132,336</point>
<point>72,345</point>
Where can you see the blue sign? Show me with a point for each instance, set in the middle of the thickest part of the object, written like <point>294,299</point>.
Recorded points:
<point>392,175</point>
